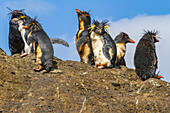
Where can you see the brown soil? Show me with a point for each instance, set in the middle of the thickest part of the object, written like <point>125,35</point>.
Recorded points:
<point>77,88</point>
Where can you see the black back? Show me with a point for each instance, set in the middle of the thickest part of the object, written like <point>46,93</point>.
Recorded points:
<point>16,44</point>
<point>145,58</point>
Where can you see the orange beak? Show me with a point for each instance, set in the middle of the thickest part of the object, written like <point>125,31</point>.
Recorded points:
<point>15,19</point>
<point>100,31</point>
<point>77,10</point>
<point>25,27</point>
<point>132,41</point>
<point>159,77</point>
<point>157,40</point>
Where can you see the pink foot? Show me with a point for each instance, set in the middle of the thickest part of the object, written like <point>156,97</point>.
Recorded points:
<point>24,54</point>
<point>101,67</point>
<point>36,69</point>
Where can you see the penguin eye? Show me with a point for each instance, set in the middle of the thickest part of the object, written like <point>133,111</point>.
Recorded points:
<point>126,37</point>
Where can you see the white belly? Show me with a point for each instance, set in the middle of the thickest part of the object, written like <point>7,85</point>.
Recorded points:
<point>121,49</point>
<point>97,45</point>
<point>27,47</point>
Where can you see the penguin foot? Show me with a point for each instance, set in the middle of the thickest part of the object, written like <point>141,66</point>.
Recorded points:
<point>37,70</point>
<point>24,54</point>
<point>101,67</point>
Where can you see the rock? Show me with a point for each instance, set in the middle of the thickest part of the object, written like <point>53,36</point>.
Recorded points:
<point>75,87</point>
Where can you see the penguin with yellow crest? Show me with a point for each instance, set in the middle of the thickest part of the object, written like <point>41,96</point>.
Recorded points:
<point>145,59</point>
<point>103,46</point>
<point>16,42</point>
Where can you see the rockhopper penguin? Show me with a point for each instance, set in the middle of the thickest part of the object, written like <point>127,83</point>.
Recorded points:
<point>16,43</point>
<point>43,47</point>
<point>103,46</point>
<point>145,59</point>
<point>121,40</point>
<point>25,36</point>
<point>83,41</point>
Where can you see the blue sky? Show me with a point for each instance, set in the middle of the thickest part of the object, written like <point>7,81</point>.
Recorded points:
<point>59,19</point>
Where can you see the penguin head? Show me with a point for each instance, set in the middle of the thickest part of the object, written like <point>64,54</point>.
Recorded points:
<point>151,35</point>
<point>33,25</point>
<point>83,15</point>
<point>123,38</point>
<point>15,14</point>
<point>99,27</point>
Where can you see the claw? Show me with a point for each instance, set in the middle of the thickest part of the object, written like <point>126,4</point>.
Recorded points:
<point>24,54</point>
<point>101,67</point>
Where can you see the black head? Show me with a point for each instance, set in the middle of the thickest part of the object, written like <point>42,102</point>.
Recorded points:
<point>123,38</point>
<point>15,14</point>
<point>151,35</point>
<point>99,27</point>
<point>33,26</point>
<point>83,15</point>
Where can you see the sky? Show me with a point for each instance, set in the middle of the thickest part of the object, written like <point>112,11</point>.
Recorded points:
<point>59,20</point>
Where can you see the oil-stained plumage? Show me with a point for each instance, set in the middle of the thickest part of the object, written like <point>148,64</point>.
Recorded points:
<point>121,40</point>
<point>145,59</point>
<point>44,50</point>
<point>83,42</point>
<point>16,43</point>
<point>103,46</point>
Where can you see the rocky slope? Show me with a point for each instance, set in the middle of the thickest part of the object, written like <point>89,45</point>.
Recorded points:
<point>77,88</point>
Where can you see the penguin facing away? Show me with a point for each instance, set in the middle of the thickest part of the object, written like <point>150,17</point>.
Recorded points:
<point>104,47</point>
<point>145,59</point>
<point>121,40</point>
<point>44,50</point>
<point>83,41</point>
<point>16,43</point>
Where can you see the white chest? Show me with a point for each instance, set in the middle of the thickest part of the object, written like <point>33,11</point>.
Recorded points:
<point>121,49</point>
<point>27,47</point>
<point>97,45</point>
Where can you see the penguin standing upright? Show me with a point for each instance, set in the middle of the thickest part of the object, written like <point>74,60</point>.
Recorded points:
<point>44,50</point>
<point>104,47</point>
<point>83,41</point>
<point>145,59</point>
<point>16,43</point>
<point>121,40</point>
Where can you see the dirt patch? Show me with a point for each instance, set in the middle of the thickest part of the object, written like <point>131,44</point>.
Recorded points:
<point>77,88</point>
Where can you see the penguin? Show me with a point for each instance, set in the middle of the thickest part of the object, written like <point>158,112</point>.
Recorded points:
<point>145,59</point>
<point>103,46</point>
<point>25,32</point>
<point>121,40</point>
<point>83,41</point>
<point>43,46</point>
<point>16,43</point>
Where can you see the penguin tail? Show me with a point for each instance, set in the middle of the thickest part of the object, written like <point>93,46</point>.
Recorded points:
<point>59,41</point>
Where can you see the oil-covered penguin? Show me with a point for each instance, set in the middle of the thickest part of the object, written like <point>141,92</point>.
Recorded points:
<point>121,40</point>
<point>103,46</point>
<point>145,59</point>
<point>83,41</point>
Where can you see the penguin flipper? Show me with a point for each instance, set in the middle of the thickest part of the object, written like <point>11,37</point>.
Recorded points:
<point>106,52</point>
<point>59,41</point>
<point>81,41</point>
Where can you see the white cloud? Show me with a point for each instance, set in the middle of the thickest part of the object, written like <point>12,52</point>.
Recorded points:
<point>134,28</point>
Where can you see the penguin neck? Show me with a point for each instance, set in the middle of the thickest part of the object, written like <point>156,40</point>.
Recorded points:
<point>121,50</point>
<point>83,25</point>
